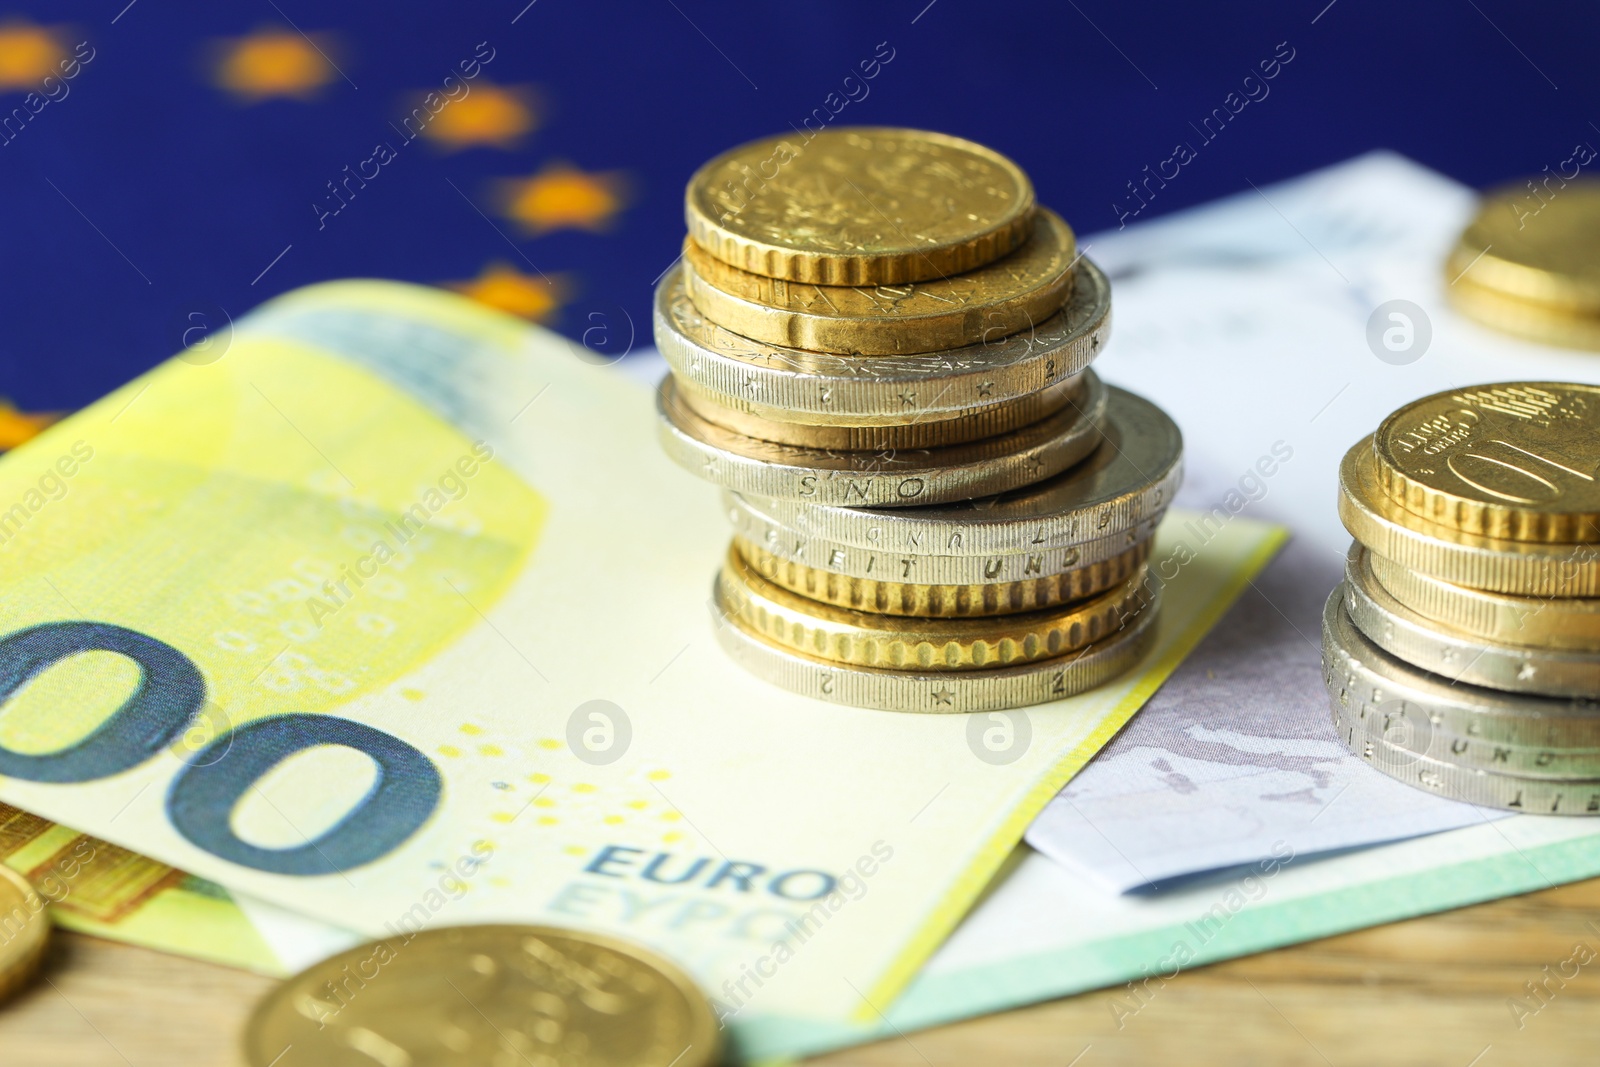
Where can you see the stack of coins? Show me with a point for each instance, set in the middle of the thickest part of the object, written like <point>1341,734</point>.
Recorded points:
<point>1529,262</point>
<point>24,931</point>
<point>879,348</point>
<point>1462,651</point>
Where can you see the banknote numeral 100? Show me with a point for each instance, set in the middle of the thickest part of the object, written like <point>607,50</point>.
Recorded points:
<point>203,795</point>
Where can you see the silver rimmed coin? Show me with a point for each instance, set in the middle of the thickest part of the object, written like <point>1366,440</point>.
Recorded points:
<point>1457,656</point>
<point>752,522</point>
<point>1129,478</point>
<point>795,385</point>
<point>885,479</point>
<point>992,689</point>
<point>1363,680</point>
<point>1395,728</point>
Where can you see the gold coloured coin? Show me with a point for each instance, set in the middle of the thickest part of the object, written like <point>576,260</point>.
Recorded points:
<point>866,639</point>
<point>1535,246</point>
<point>824,388</point>
<point>469,995</point>
<point>973,425</point>
<point>1523,318</point>
<point>1011,294</point>
<point>1525,568</point>
<point>859,206</point>
<point>24,931</point>
<point>1570,623</point>
<point>887,478</point>
<point>886,597</point>
<point>1515,460</point>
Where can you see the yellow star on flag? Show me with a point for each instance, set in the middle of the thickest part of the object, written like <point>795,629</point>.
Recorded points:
<point>493,115</point>
<point>28,52</point>
<point>562,196</point>
<point>271,62</point>
<point>18,426</point>
<point>535,297</point>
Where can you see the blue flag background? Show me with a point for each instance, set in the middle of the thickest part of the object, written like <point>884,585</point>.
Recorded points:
<point>167,164</point>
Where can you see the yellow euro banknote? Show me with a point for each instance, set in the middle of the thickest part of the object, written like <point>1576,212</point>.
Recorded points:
<point>388,610</point>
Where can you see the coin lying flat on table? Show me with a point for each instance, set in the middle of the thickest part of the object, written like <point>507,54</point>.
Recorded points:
<point>1011,294</point>
<point>752,520</point>
<point>974,425</point>
<point>941,692</point>
<point>867,639</point>
<point>823,388</point>
<point>1522,318</point>
<point>1404,733</point>
<point>1517,460</point>
<point>1459,657</point>
<point>1128,478</point>
<point>888,597</point>
<point>1535,249</point>
<point>469,995</point>
<point>1560,622</point>
<point>1523,568</point>
<point>883,479</point>
<point>859,206</point>
<point>1359,675</point>
<point>24,931</point>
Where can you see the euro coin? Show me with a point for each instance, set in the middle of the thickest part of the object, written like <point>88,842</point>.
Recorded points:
<point>1516,460</point>
<point>1129,478</point>
<point>889,597</point>
<point>941,692</point>
<point>1535,243</point>
<point>1397,731</point>
<point>859,206</point>
<point>1456,656</point>
<point>1009,295</point>
<point>1523,568</point>
<point>1363,680</point>
<point>973,425</point>
<point>752,520</point>
<point>1522,318</point>
<point>822,388</point>
<point>469,995</point>
<point>867,639</point>
<point>24,931</point>
<point>888,478</point>
<point>1568,623</point>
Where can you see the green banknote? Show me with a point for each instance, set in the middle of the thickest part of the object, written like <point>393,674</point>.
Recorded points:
<point>387,610</point>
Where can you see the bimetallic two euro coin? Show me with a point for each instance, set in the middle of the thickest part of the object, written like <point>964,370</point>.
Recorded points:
<point>859,206</point>
<point>867,639</point>
<point>1400,733</point>
<point>1131,477</point>
<point>486,994</point>
<point>822,388</point>
<point>1363,680</point>
<point>1564,623</point>
<point>892,597</point>
<point>1455,656</point>
<point>24,931</point>
<point>1513,460</point>
<point>752,521</point>
<point>889,478</point>
<point>1522,568</point>
<point>1472,784</point>
<point>942,692</point>
<point>975,425</point>
<point>1009,295</point>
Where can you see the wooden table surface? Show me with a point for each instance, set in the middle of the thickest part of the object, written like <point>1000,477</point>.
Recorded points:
<point>1429,991</point>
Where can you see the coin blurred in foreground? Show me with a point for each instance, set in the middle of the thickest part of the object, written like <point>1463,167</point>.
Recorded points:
<point>859,206</point>
<point>471,995</point>
<point>24,931</point>
<point>1007,296</point>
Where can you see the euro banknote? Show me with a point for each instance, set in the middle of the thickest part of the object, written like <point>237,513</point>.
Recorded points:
<point>389,612</point>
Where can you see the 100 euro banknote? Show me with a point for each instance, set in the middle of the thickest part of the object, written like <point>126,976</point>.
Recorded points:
<point>392,614</point>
